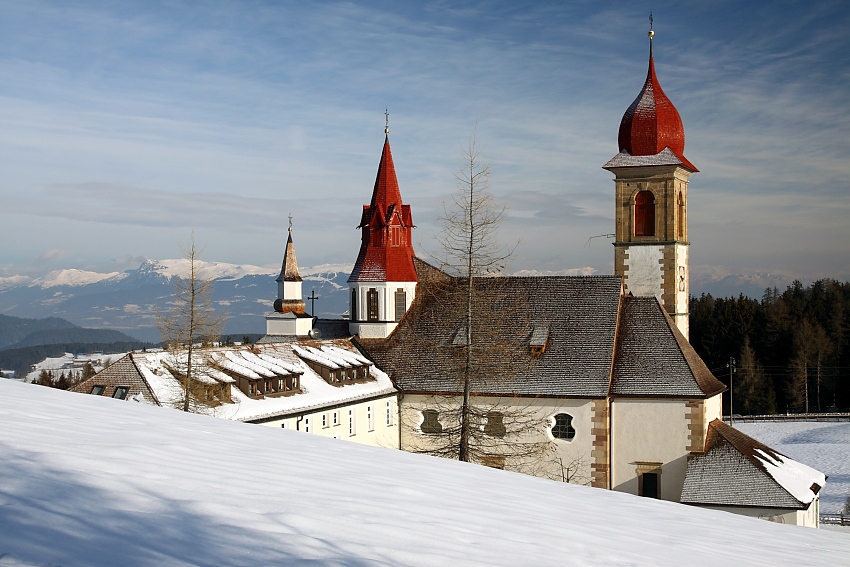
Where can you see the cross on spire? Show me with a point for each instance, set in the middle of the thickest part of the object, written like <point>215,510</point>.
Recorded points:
<point>387,121</point>
<point>290,222</point>
<point>313,297</point>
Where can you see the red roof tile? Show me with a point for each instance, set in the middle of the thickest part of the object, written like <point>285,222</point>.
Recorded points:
<point>652,123</point>
<point>386,250</point>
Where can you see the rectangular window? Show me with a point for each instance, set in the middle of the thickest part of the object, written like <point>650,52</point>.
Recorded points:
<point>389,413</point>
<point>324,420</point>
<point>370,419</point>
<point>400,303</point>
<point>372,301</point>
<point>120,392</point>
<point>354,304</point>
<point>306,425</point>
<point>283,425</point>
<point>336,418</point>
<point>97,390</point>
<point>352,423</point>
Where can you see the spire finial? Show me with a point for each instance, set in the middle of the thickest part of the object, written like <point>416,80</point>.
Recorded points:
<point>290,222</point>
<point>387,121</point>
<point>651,34</point>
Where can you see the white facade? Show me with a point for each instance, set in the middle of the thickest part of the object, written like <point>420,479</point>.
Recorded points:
<point>654,435</point>
<point>371,422</point>
<point>384,295</point>
<point>289,290</point>
<point>644,270</point>
<point>566,460</point>
<point>288,324</point>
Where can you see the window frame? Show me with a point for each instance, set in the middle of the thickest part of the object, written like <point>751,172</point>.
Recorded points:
<point>400,308</point>
<point>567,428</point>
<point>125,392</point>
<point>644,218</point>
<point>100,389</point>
<point>431,422</point>
<point>372,305</point>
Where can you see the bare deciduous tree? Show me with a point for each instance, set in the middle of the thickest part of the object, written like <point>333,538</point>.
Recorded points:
<point>188,330</point>
<point>471,250</point>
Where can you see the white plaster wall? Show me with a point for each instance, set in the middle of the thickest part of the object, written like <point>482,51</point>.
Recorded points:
<point>649,431</point>
<point>291,290</point>
<point>806,518</point>
<point>386,307</point>
<point>644,270</point>
<point>682,296</point>
<point>560,453</point>
<point>713,409</point>
<point>299,326</point>
<point>382,434</point>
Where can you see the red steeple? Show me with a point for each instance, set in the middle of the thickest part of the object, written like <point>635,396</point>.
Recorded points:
<point>652,123</point>
<point>386,250</point>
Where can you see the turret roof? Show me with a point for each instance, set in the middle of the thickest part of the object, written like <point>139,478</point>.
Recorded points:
<point>652,123</point>
<point>289,267</point>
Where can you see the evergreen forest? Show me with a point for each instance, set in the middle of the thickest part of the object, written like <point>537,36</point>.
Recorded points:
<point>790,350</point>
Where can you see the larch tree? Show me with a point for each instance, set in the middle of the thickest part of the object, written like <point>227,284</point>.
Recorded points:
<point>191,326</point>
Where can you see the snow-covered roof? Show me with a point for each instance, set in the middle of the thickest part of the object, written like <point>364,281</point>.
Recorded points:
<point>264,361</point>
<point>737,470</point>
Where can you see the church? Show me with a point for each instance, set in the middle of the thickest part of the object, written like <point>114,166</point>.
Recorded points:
<point>583,379</point>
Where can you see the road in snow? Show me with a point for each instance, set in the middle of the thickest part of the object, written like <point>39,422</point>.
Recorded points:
<point>94,481</point>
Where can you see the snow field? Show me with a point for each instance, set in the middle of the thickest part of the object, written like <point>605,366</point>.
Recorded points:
<point>95,481</point>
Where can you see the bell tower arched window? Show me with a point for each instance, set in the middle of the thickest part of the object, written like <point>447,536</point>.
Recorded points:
<point>645,214</point>
<point>681,216</point>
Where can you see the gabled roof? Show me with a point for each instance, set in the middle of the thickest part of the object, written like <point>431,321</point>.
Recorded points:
<point>577,318</point>
<point>652,123</point>
<point>289,266</point>
<point>580,313</point>
<point>654,358</point>
<point>378,260</point>
<point>122,372</point>
<point>737,470</point>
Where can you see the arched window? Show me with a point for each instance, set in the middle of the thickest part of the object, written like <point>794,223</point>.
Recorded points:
<point>681,215</point>
<point>645,214</point>
<point>563,428</point>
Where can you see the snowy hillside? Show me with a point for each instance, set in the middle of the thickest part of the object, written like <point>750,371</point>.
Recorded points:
<point>96,481</point>
<point>822,445</point>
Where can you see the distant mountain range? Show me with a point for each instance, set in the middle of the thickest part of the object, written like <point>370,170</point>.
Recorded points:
<point>130,301</point>
<point>17,333</point>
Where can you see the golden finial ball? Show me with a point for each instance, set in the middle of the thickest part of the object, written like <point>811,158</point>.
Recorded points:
<point>651,34</point>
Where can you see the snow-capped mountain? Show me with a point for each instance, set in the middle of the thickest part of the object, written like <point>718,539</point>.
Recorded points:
<point>131,301</point>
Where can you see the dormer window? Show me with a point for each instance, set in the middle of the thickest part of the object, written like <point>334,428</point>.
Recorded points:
<point>539,339</point>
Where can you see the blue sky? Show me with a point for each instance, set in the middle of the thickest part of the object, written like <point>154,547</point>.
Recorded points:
<point>126,125</point>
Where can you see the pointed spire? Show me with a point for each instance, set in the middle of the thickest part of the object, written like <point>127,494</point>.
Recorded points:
<point>386,250</point>
<point>386,191</point>
<point>289,267</point>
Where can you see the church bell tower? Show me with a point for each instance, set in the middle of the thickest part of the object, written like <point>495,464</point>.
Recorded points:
<point>651,179</point>
<point>383,282</point>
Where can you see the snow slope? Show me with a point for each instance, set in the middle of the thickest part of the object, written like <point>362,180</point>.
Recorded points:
<point>94,481</point>
<point>822,445</point>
